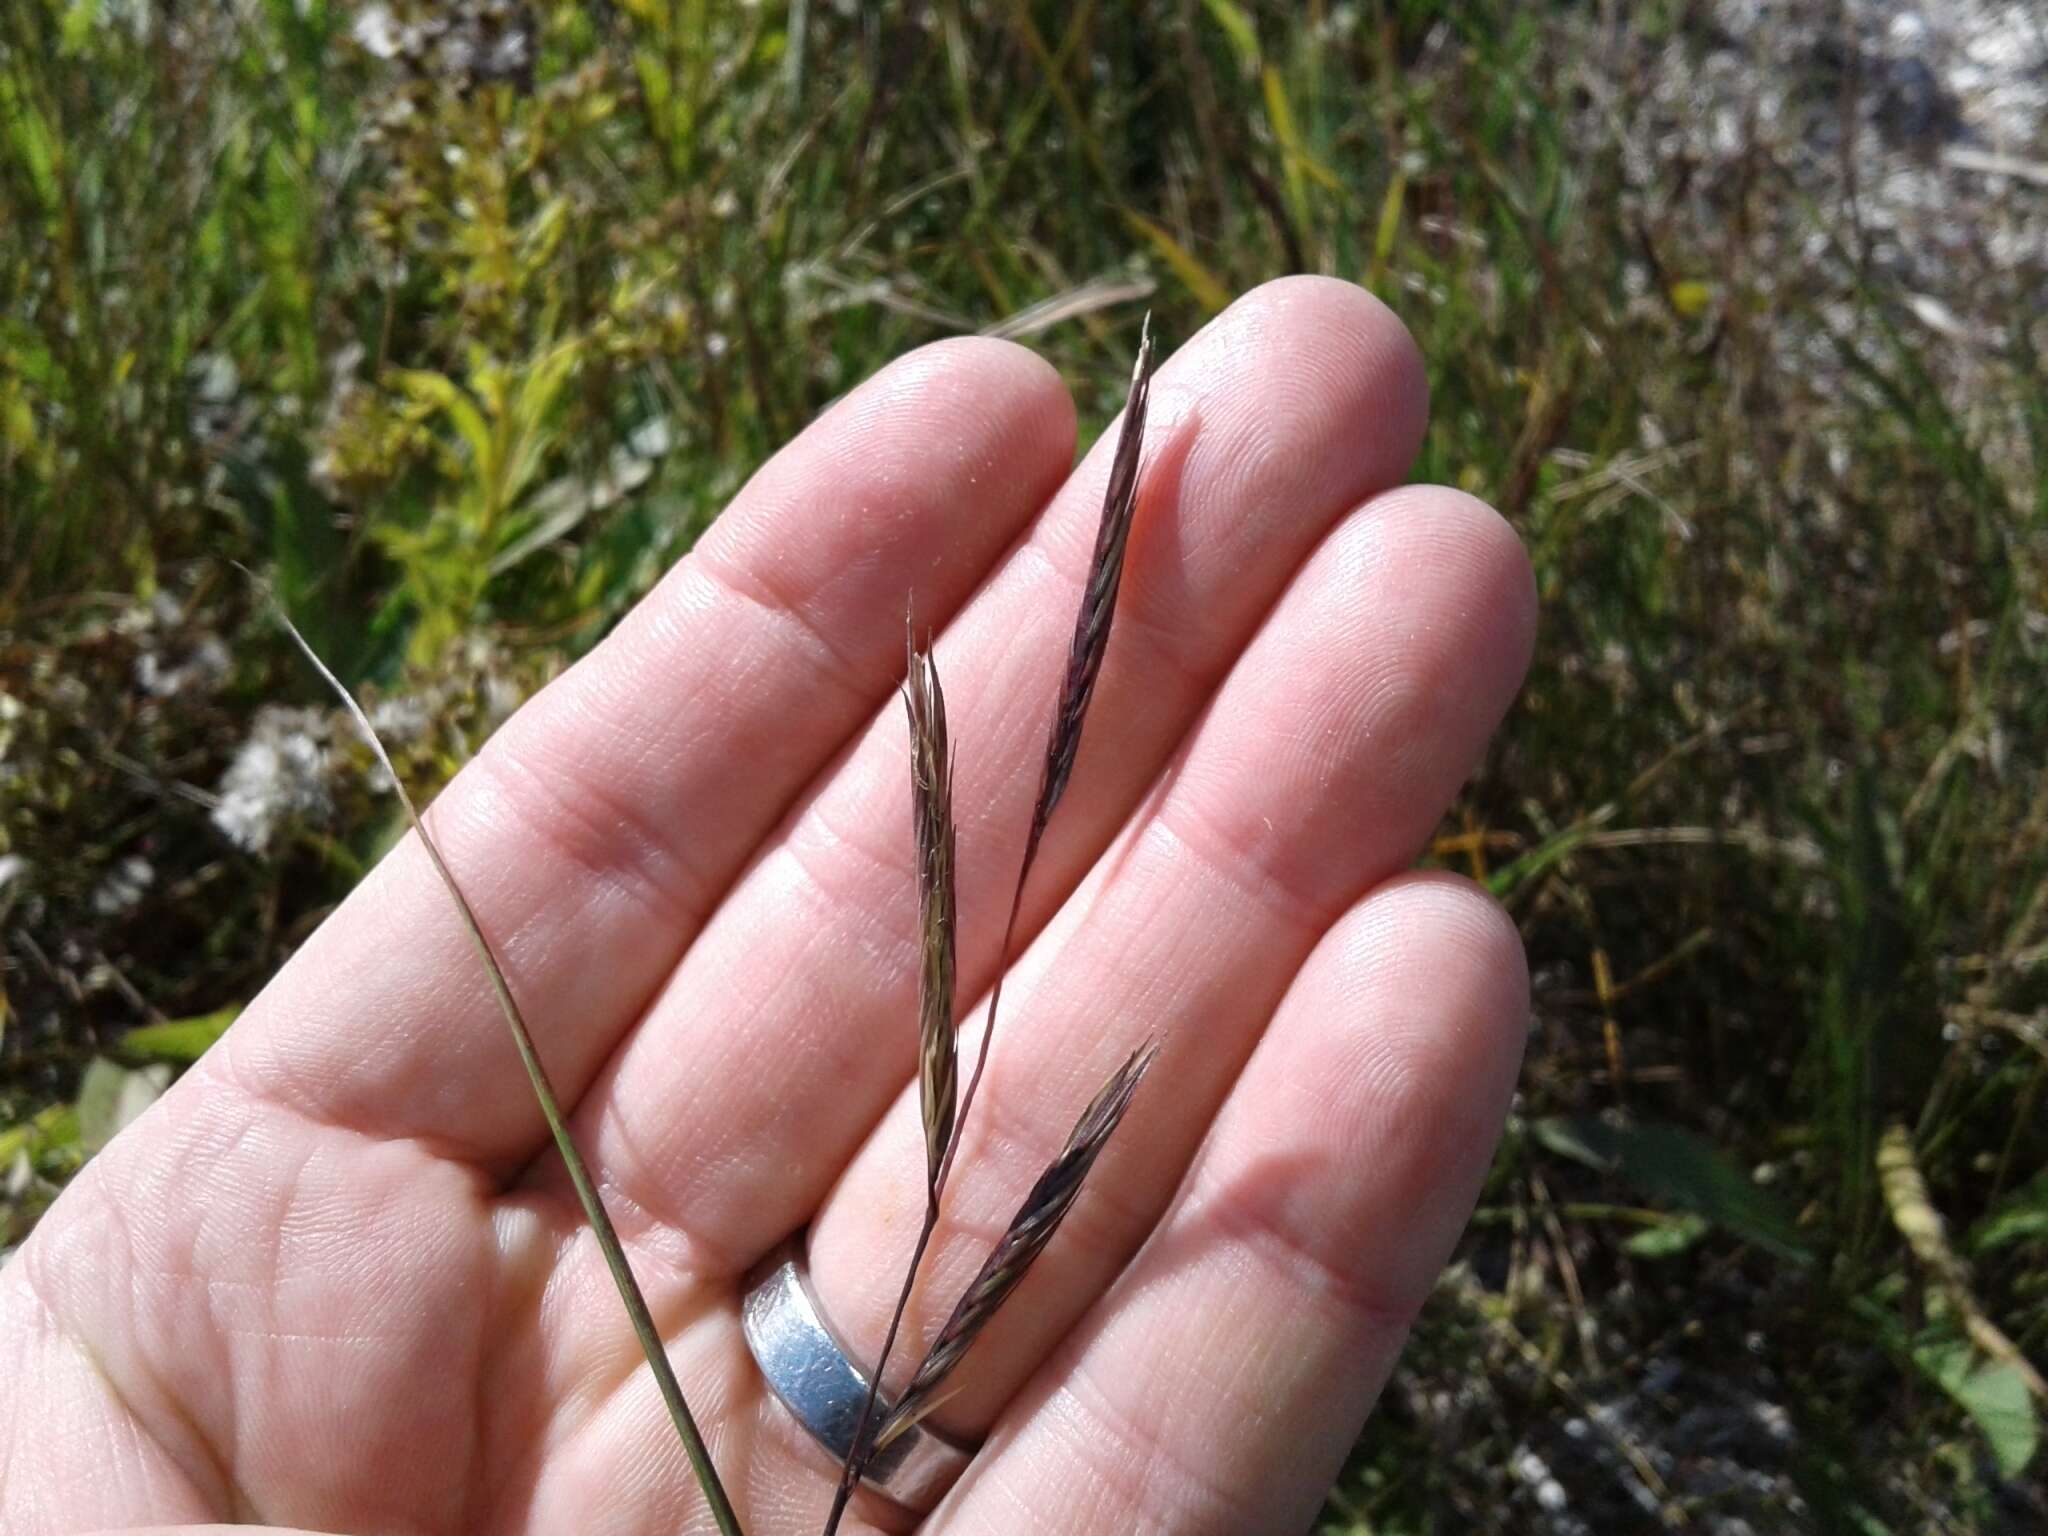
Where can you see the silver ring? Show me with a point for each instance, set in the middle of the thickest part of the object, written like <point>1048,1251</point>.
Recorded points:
<point>809,1369</point>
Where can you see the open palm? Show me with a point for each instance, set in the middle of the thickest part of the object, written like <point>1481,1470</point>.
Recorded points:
<point>336,1279</point>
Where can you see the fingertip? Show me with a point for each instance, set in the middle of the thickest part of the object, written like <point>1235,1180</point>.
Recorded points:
<point>1452,621</point>
<point>957,433</point>
<point>1388,1070</point>
<point>1451,965</point>
<point>970,372</point>
<point>1329,317</point>
<point>1477,571</point>
<point>1504,582</point>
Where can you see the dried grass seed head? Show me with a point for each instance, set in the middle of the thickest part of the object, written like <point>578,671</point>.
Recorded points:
<point>1030,1230</point>
<point>931,782</point>
<point>1098,600</point>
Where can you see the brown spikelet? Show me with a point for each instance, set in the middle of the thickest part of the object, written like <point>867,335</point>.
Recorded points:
<point>1098,602</point>
<point>1084,664</point>
<point>937,1061</point>
<point>1030,1230</point>
<point>938,1066</point>
<point>931,781</point>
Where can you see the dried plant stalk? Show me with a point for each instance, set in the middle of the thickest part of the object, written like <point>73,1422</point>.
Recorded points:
<point>1030,1230</point>
<point>1077,683</point>
<point>1913,1212</point>
<point>651,1346</point>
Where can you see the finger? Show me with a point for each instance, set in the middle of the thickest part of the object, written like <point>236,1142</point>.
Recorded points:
<point>1220,1382</point>
<point>599,826</point>
<point>787,1029</point>
<point>1325,761</point>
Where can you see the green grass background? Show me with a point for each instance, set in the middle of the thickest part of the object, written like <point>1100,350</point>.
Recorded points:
<point>461,329</point>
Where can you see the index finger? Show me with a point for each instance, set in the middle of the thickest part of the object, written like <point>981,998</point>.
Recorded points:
<point>603,823</point>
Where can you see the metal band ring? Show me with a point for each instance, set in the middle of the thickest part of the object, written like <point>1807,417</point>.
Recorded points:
<point>810,1370</point>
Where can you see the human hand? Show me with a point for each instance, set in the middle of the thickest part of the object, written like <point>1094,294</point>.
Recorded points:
<point>336,1280</point>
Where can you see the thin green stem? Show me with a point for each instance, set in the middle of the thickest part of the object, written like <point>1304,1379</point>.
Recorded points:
<point>856,1464</point>
<point>994,1001</point>
<point>857,1453</point>
<point>551,1110</point>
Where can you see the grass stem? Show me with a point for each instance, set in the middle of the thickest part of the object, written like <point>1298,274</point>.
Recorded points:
<point>544,1094</point>
<point>859,1453</point>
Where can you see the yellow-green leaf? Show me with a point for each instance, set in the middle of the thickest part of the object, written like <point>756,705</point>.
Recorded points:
<point>1209,289</point>
<point>179,1041</point>
<point>1691,297</point>
<point>446,396</point>
<point>1238,27</point>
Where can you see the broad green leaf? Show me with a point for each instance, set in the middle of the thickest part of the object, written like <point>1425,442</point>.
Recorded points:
<point>1678,1167</point>
<point>179,1041</point>
<point>1994,1395</point>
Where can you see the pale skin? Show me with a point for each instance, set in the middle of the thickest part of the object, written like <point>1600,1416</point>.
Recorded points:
<point>336,1281</point>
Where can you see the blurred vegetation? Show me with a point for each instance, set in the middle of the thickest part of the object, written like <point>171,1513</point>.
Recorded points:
<point>460,321</point>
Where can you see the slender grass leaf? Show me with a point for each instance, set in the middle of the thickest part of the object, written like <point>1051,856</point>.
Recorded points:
<point>1236,24</point>
<point>1665,1162</point>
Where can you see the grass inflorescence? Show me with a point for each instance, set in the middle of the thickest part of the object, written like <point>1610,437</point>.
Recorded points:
<point>938,1067</point>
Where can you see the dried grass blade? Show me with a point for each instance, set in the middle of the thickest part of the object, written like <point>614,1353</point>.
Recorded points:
<point>1030,1230</point>
<point>722,1512</point>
